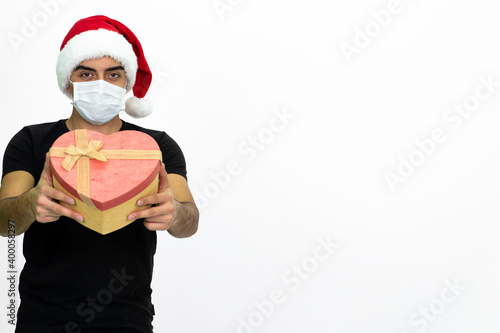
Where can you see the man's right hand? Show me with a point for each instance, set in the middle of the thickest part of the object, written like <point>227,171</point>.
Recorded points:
<point>21,202</point>
<point>45,199</point>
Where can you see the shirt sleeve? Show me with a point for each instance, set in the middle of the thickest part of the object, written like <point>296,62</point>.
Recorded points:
<point>19,155</point>
<point>172,156</point>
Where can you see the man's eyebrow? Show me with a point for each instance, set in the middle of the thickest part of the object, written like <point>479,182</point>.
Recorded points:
<point>114,68</point>
<point>85,68</point>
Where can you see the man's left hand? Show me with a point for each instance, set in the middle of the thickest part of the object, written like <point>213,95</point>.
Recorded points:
<point>161,215</point>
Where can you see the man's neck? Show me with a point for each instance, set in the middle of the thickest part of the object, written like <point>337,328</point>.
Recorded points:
<point>77,122</point>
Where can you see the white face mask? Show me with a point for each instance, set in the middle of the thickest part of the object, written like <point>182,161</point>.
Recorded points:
<point>98,101</point>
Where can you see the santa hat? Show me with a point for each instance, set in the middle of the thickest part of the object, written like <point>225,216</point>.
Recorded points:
<point>98,36</point>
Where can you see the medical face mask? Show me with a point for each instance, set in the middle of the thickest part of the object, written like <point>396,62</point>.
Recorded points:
<point>98,101</point>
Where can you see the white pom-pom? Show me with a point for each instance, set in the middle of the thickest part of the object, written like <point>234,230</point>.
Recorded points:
<point>138,107</point>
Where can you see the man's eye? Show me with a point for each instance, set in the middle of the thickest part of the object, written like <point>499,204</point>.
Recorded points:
<point>114,75</point>
<point>86,75</point>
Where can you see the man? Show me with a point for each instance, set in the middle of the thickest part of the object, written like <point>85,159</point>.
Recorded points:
<point>75,279</point>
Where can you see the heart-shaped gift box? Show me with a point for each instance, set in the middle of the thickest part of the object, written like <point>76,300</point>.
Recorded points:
<point>105,174</point>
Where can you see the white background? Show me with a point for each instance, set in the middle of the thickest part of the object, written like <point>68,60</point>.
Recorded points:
<point>221,76</point>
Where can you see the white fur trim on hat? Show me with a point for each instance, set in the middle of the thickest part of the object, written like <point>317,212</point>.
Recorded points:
<point>95,44</point>
<point>138,107</point>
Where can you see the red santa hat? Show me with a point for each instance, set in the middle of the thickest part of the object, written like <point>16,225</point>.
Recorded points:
<point>98,36</point>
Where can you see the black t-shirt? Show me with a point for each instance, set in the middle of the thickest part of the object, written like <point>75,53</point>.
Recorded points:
<point>75,279</point>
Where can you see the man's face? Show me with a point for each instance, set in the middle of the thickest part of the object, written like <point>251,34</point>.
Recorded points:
<point>106,68</point>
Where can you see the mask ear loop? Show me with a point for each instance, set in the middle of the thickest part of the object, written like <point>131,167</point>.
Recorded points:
<point>124,102</point>
<point>72,92</point>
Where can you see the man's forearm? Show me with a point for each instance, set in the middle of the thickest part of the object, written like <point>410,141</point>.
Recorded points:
<point>186,220</point>
<point>18,211</point>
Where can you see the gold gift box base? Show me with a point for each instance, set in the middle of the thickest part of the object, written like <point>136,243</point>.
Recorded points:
<point>107,221</point>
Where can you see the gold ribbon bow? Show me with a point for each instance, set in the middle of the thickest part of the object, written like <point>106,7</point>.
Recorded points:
<point>90,151</point>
